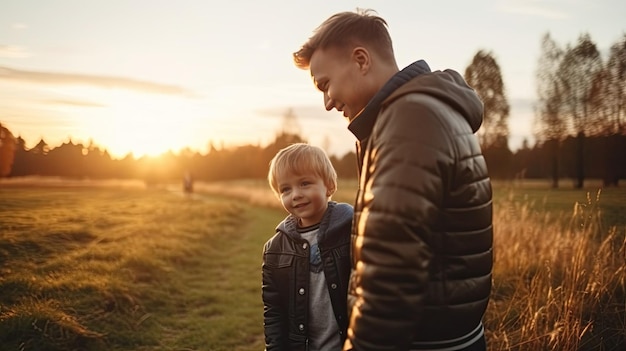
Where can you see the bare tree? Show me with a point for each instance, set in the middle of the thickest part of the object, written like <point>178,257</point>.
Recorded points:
<point>616,71</point>
<point>549,123</point>
<point>484,75</point>
<point>577,71</point>
<point>608,110</point>
<point>601,106</point>
<point>290,123</point>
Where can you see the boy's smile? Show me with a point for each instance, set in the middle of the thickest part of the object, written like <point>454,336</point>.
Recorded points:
<point>305,197</point>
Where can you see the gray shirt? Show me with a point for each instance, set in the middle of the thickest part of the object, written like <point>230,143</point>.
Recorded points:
<point>323,328</point>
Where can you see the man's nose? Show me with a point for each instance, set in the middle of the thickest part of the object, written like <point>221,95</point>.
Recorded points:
<point>328,102</point>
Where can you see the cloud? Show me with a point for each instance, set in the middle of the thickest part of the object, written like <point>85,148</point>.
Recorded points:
<point>13,51</point>
<point>54,78</point>
<point>536,8</point>
<point>78,103</point>
<point>304,112</point>
<point>19,26</point>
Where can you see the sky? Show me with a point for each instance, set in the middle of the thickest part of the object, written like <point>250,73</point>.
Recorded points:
<point>148,76</point>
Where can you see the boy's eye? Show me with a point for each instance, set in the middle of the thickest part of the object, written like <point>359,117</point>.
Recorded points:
<point>283,190</point>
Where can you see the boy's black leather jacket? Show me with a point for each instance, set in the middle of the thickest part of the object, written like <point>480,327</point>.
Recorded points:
<point>286,277</point>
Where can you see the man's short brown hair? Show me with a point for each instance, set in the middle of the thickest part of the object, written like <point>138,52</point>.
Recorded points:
<point>347,30</point>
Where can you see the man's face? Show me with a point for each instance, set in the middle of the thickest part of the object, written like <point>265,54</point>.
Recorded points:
<point>340,78</point>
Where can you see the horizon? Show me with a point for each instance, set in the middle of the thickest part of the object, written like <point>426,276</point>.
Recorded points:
<point>145,78</point>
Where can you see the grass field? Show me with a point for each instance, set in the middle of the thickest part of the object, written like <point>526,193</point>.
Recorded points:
<point>102,267</point>
<point>129,269</point>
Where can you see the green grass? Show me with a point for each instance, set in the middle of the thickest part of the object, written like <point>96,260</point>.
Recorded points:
<point>567,203</point>
<point>534,195</point>
<point>128,269</point>
<point>106,268</point>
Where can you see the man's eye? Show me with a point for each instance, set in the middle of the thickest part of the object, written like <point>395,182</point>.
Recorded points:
<point>323,87</point>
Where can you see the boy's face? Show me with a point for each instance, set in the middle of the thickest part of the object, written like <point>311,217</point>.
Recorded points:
<point>304,196</point>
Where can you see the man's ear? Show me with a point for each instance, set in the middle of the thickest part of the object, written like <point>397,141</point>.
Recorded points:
<point>361,57</point>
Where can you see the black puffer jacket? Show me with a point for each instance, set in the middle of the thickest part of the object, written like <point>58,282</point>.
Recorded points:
<point>422,240</point>
<point>286,277</point>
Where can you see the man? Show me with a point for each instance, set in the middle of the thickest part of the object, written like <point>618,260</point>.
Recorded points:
<point>422,231</point>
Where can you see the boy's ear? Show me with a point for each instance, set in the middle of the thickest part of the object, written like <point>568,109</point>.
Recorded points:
<point>330,192</point>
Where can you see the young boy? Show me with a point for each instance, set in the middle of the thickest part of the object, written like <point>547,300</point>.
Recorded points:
<point>306,264</point>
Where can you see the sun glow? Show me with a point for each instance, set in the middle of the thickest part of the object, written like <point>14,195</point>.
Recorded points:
<point>126,121</point>
<point>146,125</point>
<point>142,124</point>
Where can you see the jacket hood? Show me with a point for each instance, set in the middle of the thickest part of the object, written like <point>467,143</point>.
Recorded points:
<point>335,216</point>
<point>447,86</point>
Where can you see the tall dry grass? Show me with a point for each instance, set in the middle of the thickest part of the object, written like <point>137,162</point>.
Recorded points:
<point>559,281</point>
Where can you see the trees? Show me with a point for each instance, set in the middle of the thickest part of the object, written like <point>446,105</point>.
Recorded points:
<point>616,87</point>
<point>484,75</point>
<point>7,151</point>
<point>549,123</point>
<point>580,97</point>
<point>608,108</point>
<point>577,71</point>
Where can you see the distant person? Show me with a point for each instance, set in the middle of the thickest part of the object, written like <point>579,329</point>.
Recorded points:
<point>188,183</point>
<point>422,245</point>
<point>306,264</point>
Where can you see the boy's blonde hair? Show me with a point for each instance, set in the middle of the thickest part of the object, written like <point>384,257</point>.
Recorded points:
<point>301,159</point>
<point>346,30</point>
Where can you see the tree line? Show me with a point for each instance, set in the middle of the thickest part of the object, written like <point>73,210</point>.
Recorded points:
<point>580,131</point>
<point>75,160</point>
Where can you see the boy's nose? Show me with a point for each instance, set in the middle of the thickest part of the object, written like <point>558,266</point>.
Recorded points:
<point>296,194</point>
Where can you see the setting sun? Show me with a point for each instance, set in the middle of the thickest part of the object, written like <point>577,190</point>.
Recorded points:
<point>173,78</point>
<point>145,125</point>
<point>124,121</point>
